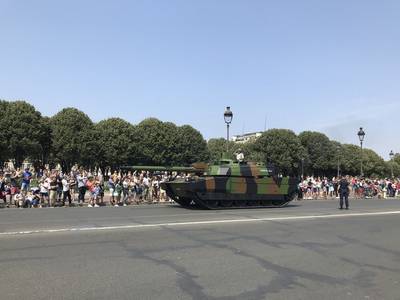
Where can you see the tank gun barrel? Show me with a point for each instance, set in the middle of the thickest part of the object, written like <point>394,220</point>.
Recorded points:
<point>192,169</point>
<point>160,168</point>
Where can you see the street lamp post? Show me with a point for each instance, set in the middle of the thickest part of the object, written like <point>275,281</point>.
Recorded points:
<point>338,160</point>
<point>391,154</point>
<point>228,116</point>
<point>361,135</point>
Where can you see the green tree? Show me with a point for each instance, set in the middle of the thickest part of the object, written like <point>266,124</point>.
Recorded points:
<point>395,164</point>
<point>45,140</point>
<point>373,164</point>
<point>191,146</point>
<point>337,159</point>
<point>396,158</point>
<point>73,138</point>
<point>164,143</point>
<point>320,152</point>
<point>350,159</point>
<point>117,143</point>
<point>217,147</point>
<point>22,131</point>
<point>157,142</point>
<point>281,147</point>
<point>4,155</point>
<point>250,153</point>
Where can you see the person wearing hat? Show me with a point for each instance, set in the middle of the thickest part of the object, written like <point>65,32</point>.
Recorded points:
<point>344,192</point>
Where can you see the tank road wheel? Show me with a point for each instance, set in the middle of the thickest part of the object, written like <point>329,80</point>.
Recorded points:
<point>212,203</point>
<point>266,203</point>
<point>277,203</point>
<point>240,203</point>
<point>254,203</point>
<point>294,197</point>
<point>226,203</point>
<point>289,198</point>
<point>184,202</point>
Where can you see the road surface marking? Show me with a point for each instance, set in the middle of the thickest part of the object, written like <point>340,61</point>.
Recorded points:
<point>210,222</point>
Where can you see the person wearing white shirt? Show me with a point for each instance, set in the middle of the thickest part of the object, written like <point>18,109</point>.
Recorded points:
<point>66,192</point>
<point>44,190</point>
<point>240,156</point>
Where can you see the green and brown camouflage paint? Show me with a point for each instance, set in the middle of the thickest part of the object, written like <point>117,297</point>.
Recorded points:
<point>228,184</point>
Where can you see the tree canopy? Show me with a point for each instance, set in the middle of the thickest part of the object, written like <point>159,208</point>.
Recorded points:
<point>395,164</point>
<point>4,155</point>
<point>22,131</point>
<point>191,146</point>
<point>116,142</point>
<point>164,143</point>
<point>281,147</point>
<point>71,137</point>
<point>217,147</point>
<point>320,151</point>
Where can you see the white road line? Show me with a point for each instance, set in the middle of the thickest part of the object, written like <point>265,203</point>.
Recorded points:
<point>157,225</point>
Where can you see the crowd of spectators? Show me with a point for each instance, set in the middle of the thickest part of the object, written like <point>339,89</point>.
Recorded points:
<point>325,188</point>
<point>53,188</point>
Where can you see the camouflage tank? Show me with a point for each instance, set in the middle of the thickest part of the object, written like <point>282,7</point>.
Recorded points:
<point>229,184</point>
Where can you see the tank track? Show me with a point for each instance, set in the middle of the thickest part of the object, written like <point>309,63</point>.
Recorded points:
<point>232,204</point>
<point>197,201</point>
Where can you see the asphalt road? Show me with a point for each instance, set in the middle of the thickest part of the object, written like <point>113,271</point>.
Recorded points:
<point>309,250</point>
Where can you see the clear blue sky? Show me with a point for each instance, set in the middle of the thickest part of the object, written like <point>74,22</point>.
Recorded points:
<point>328,66</point>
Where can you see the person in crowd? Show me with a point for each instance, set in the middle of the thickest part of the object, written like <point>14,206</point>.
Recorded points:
<point>331,189</point>
<point>66,190</point>
<point>132,191</point>
<point>44,189</point>
<point>3,195</point>
<point>26,180</point>
<point>92,187</point>
<point>81,180</point>
<point>137,187</point>
<point>19,199</point>
<point>125,191</point>
<point>115,176</point>
<point>310,188</point>
<point>111,189</point>
<point>39,173</point>
<point>155,189</point>
<point>72,186</point>
<point>7,191</point>
<point>59,177</point>
<point>390,189</point>
<point>13,191</point>
<point>118,191</point>
<point>16,176</point>
<point>398,189</point>
<point>100,184</point>
<point>53,186</point>
<point>34,199</point>
<point>145,186</point>
<point>163,193</point>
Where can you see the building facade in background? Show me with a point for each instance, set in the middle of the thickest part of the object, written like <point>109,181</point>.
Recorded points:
<point>244,138</point>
